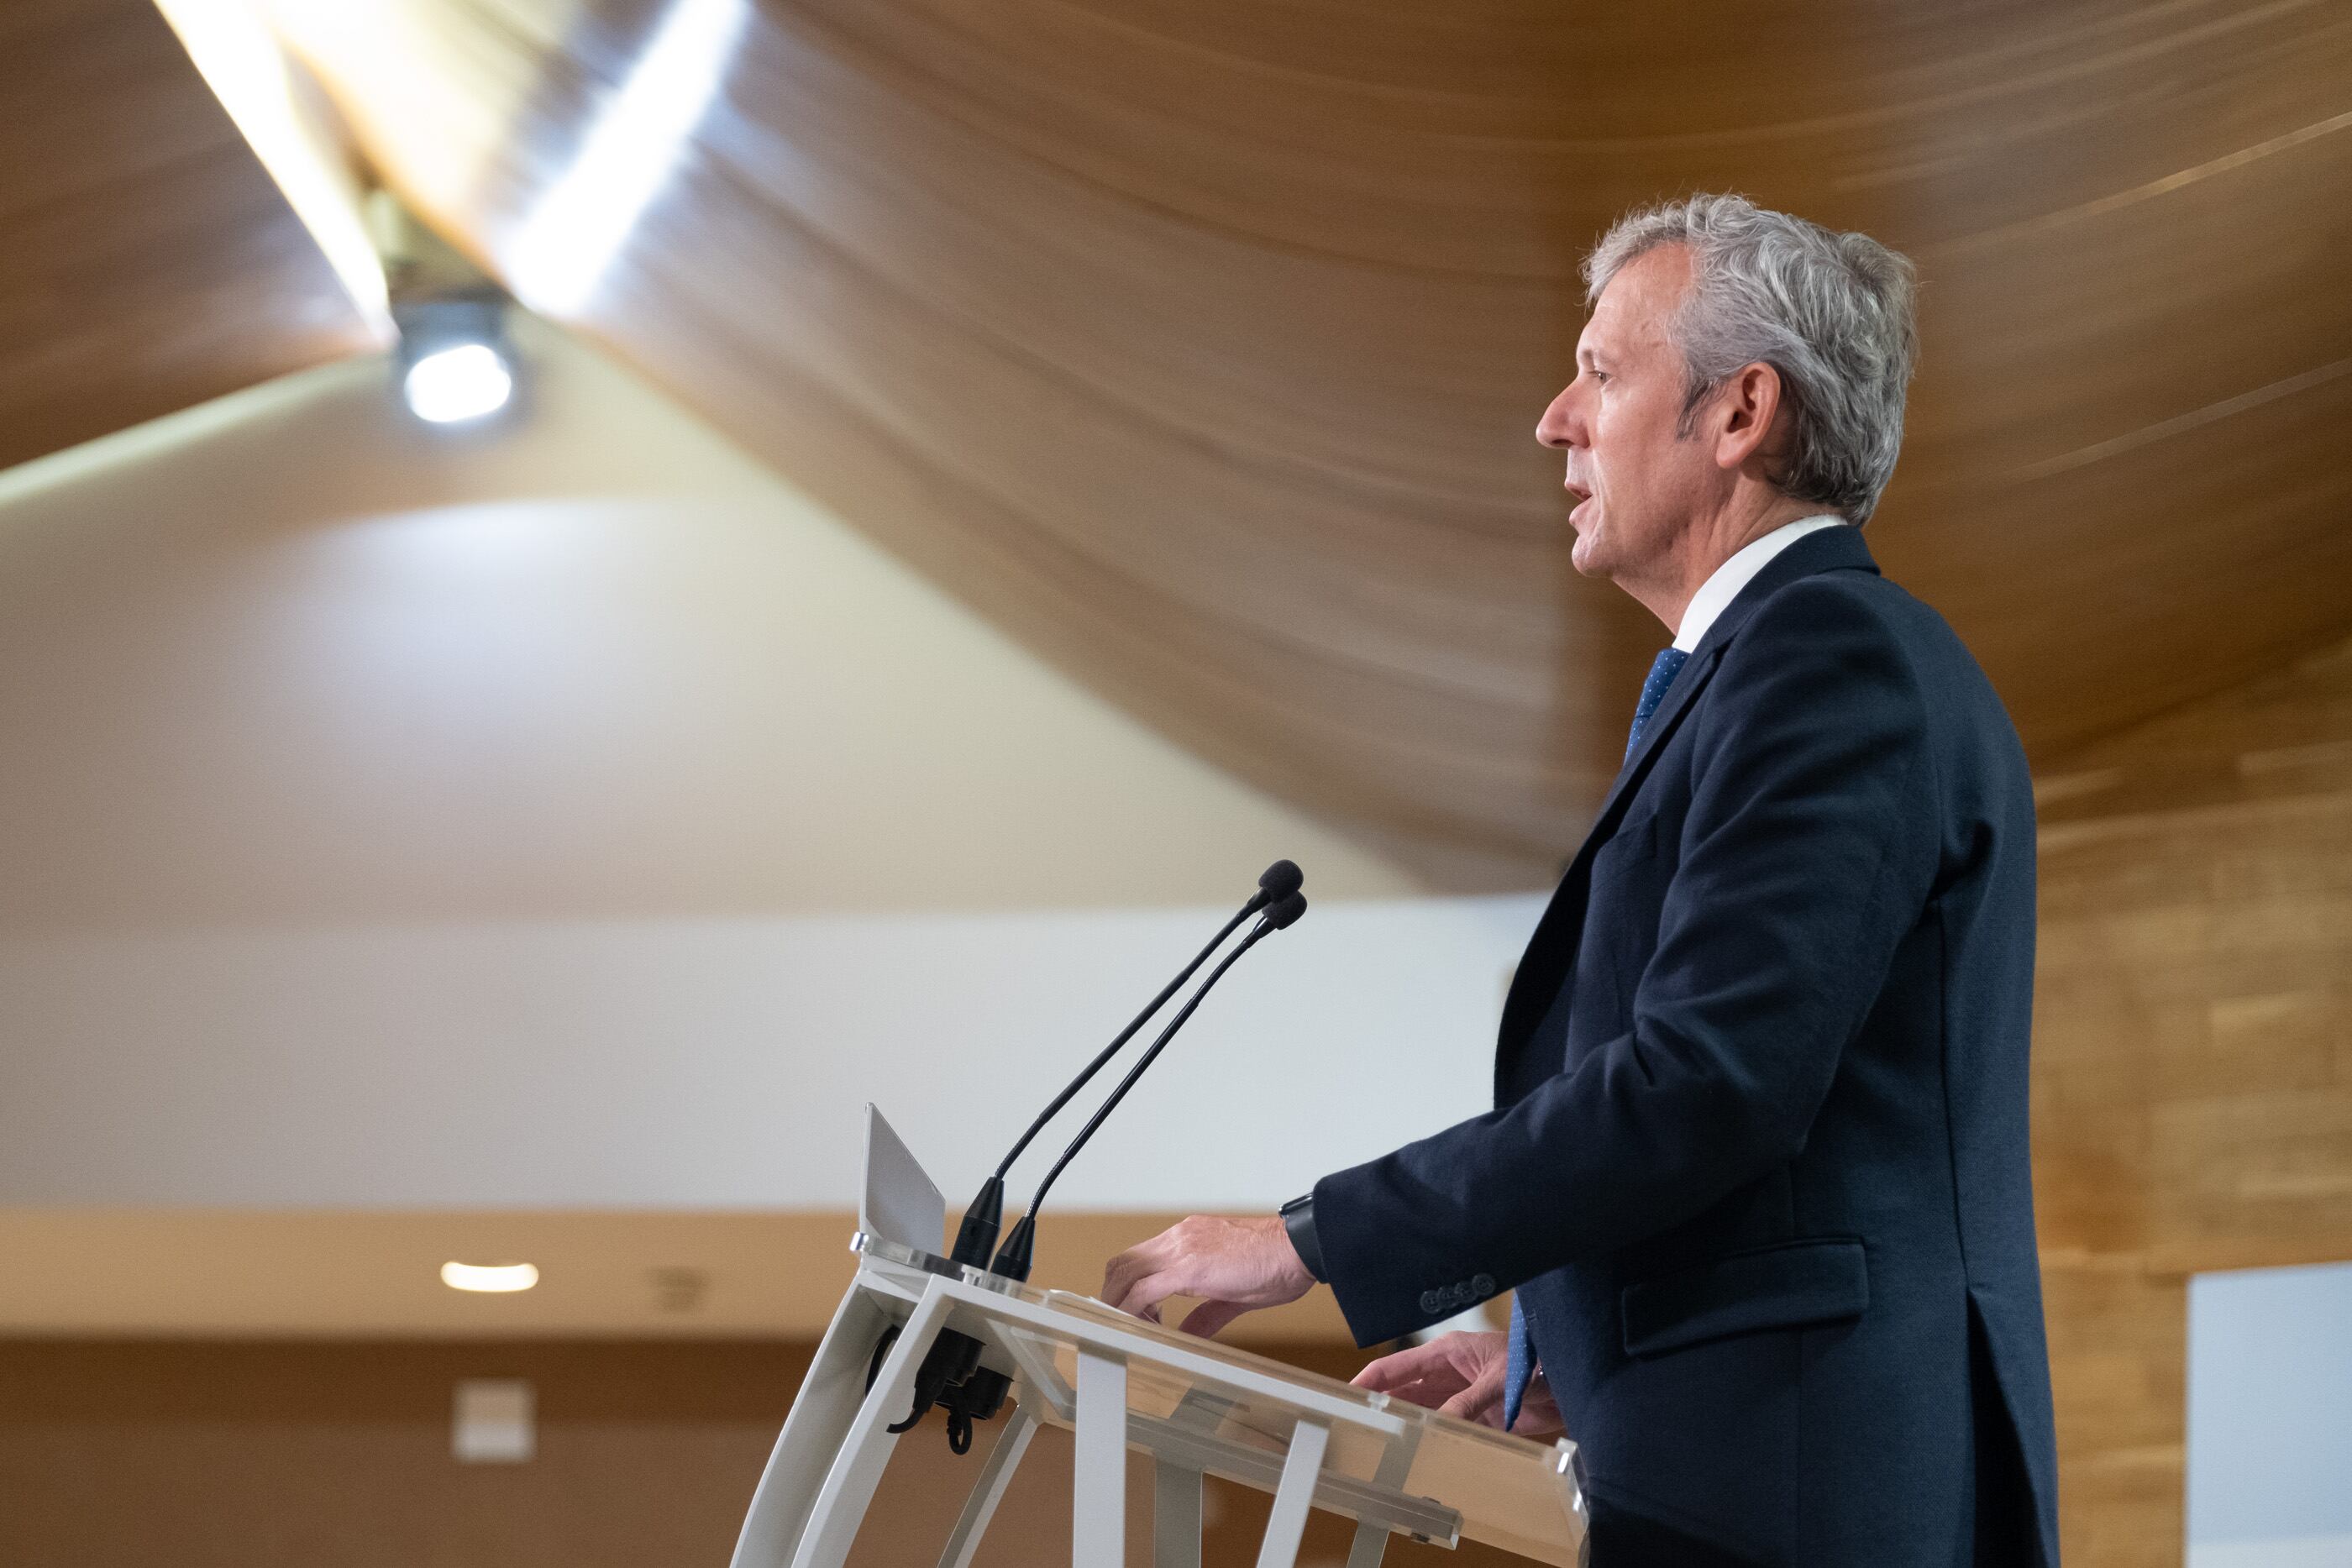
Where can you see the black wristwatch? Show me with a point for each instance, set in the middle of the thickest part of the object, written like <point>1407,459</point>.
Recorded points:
<point>1298,1219</point>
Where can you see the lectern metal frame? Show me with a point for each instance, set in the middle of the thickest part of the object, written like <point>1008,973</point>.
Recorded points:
<point>826,1463</point>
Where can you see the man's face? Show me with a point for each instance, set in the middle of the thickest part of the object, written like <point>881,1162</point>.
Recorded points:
<point>1638,486</point>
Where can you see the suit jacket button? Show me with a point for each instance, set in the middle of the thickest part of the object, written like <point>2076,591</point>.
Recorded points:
<point>1484,1286</point>
<point>1431,1301</point>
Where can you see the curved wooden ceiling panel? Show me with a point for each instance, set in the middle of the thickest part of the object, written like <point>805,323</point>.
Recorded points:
<point>1200,344</point>
<point>150,263</point>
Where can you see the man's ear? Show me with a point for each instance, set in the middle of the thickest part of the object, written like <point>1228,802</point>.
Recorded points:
<point>1746,409</point>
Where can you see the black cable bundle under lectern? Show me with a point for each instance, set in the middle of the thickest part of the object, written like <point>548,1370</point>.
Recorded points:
<point>951,1374</point>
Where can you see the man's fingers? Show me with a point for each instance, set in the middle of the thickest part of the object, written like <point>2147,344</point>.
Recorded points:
<point>1393,1371</point>
<point>1207,1318</point>
<point>1120,1274</point>
<point>1481,1361</point>
<point>1143,1297</point>
<point>1423,1375</point>
<point>1481,1401</point>
<point>1145,1275</point>
<point>1211,1259</point>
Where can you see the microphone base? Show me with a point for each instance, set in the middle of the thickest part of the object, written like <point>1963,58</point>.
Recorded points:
<point>976,1236</point>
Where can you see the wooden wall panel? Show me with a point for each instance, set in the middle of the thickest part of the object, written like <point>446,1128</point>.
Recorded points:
<point>266,1274</point>
<point>150,264</point>
<point>2118,1351</point>
<point>251,1455</point>
<point>2193,1061</point>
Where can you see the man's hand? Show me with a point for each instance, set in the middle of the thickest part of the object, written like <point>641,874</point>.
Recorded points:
<point>1462,1375</point>
<point>1230,1266</point>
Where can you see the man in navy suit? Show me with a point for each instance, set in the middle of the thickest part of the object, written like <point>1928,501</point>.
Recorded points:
<point>1758,1167</point>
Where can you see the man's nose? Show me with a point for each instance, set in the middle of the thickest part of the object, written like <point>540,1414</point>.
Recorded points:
<point>1559,426</point>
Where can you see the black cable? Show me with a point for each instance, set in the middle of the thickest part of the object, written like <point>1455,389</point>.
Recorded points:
<point>881,1349</point>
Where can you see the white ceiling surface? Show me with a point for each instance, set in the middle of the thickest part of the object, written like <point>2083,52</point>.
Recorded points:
<point>580,816</point>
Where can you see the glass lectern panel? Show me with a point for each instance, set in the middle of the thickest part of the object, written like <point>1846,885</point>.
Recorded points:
<point>1227,1412</point>
<point>1509,1491</point>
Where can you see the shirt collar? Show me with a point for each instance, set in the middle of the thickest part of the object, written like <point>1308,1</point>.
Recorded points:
<point>1724,585</point>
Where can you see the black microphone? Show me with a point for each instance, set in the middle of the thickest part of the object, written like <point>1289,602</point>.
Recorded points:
<point>951,1371</point>
<point>1014,1258</point>
<point>976,1236</point>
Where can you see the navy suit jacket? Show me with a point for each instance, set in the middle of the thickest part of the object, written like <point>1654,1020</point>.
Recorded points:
<point>1757,1164</point>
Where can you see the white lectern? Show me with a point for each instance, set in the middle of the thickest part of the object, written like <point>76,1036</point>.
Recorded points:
<point>1198,1408</point>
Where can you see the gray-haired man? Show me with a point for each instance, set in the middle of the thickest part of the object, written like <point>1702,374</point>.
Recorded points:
<point>1757,1168</point>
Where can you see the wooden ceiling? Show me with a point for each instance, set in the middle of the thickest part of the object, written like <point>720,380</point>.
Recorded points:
<point>1200,343</point>
<point>150,263</point>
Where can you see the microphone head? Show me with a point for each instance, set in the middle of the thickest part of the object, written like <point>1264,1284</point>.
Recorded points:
<point>1284,911</point>
<point>1282,879</point>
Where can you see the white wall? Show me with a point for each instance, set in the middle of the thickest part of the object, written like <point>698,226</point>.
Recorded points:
<point>2269,1419</point>
<point>711,1064</point>
<point>581,816</point>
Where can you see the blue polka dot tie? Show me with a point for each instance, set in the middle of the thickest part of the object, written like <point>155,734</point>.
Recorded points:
<point>1663,670</point>
<point>1519,1364</point>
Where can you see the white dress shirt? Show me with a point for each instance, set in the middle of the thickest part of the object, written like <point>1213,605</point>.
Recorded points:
<point>1734,574</point>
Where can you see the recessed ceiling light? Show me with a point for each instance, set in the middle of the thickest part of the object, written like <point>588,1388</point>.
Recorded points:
<point>489,1276</point>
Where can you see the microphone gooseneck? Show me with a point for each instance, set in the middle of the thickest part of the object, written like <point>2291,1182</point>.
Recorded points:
<point>950,1374</point>
<point>1102,1057</point>
<point>1014,1258</point>
<point>976,1236</point>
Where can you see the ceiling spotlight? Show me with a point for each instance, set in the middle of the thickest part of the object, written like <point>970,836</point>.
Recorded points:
<point>455,364</point>
<point>494,1277</point>
<point>463,381</point>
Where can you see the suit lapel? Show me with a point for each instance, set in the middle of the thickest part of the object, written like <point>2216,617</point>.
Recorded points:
<point>1553,948</point>
<point>1697,670</point>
